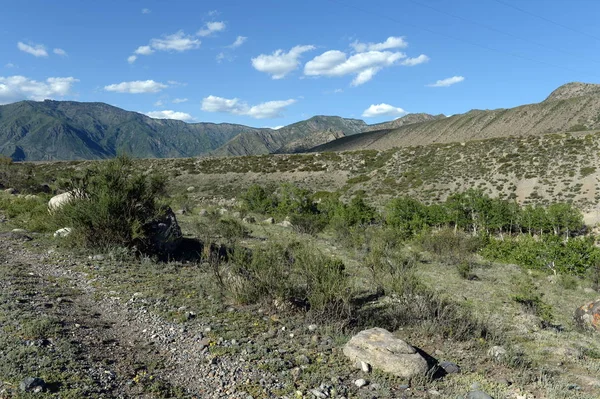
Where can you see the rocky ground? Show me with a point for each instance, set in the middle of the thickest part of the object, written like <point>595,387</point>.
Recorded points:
<point>85,339</point>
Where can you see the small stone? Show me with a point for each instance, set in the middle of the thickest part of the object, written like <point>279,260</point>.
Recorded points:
<point>32,384</point>
<point>450,367</point>
<point>318,394</point>
<point>64,232</point>
<point>478,395</point>
<point>497,352</point>
<point>312,327</point>
<point>190,189</point>
<point>269,221</point>
<point>361,382</point>
<point>365,367</point>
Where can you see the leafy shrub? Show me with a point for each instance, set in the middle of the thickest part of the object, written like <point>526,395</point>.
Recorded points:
<point>548,253</point>
<point>118,205</point>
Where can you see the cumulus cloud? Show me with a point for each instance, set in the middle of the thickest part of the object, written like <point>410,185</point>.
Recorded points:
<point>178,42</point>
<point>159,103</point>
<point>146,11</point>
<point>211,27</point>
<point>447,82</point>
<point>415,61</point>
<point>179,100</point>
<point>169,114</point>
<point>59,51</point>
<point>143,50</point>
<point>269,109</point>
<point>363,65</point>
<point>238,42</point>
<point>37,50</point>
<point>280,63</point>
<point>382,110</point>
<point>136,86</point>
<point>391,42</point>
<point>16,88</point>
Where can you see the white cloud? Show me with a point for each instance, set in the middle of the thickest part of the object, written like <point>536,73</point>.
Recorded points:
<point>137,86</point>
<point>447,82</point>
<point>10,65</point>
<point>37,50</point>
<point>146,11</point>
<point>176,42</point>
<point>269,109</point>
<point>391,42</point>
<point>179,100</point>
<point>59,51</point>
<point>211,27</point>
<point>280,63</point>
<point>159,103</point>
<point>274,127</point>
<point>143,50</point>
<point>238,42</point>
<point>363,65</point>
<point>382,110</point>
<point>169,114</point>
<point>415,61</point>
<point>213,13</point>
<point>16,88</point>
<point>221,56</point>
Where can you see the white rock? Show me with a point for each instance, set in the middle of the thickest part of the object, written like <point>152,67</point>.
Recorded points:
<point>383,351</point>
<point>360,382</point>
<point>64,232</point>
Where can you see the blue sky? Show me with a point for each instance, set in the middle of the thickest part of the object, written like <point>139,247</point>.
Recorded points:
<point>275,62</point>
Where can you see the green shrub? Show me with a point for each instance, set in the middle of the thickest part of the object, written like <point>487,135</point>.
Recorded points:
<point>118,205</point>
<point>293,274</point>
<point>308,223</point>
<point>452,247</point>
<point>232,230</point>
<point>528,295</point>
<point>256,199</point>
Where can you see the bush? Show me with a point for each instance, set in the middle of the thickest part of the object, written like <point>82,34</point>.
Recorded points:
<point>451,247</point>
<point>529,296</point>
<point>117,208</point>
<point>308,223</point>
<point>256,199</point>
<point>292,274</point>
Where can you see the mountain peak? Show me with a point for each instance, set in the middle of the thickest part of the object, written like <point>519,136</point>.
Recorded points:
<point>572,90</point>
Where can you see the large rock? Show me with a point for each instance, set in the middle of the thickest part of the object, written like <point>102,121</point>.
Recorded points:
<point>164,234</point>
<point>383,351</point>
<point>60,200</point>
<point>588,316</point>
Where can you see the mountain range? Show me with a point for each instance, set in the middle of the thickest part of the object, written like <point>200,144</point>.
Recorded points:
<point>67,130</point>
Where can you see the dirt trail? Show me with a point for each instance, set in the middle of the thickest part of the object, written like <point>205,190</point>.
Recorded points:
<point>118,340</point>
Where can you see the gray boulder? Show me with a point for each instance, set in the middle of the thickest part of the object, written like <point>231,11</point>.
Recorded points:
<point>32,384</point>
<point>383,351</point>
<point>478,395</point>
<point>164,234</point>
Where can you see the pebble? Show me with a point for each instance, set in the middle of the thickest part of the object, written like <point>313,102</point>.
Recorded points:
<point>361,382</point>
<point>312,327</point>
<point>366,367</point>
